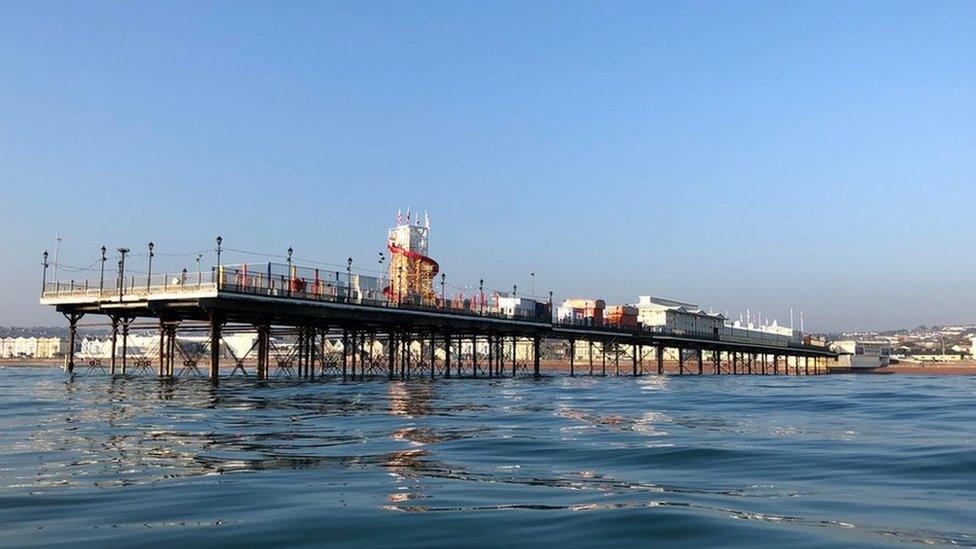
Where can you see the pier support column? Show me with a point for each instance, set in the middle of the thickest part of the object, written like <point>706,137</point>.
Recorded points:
<point>491,356</point>
<point>591,357</point>
<point>681,361</point>
<point>717,361</point>
<point>735,362</point>
<point>474,356</point>
<point>310,353</point>
<point>391,356</point>
<point>660,359</point>
<point>776,365</point>
<point>302,351</point>
<point>345,352</point>
<point>162,349</point>
<point>353,351</point>
<point>447,355</point>
<point>616,358</point>
<point>366,354</point>
<point>125,346</point>
<point>500,341</point>
<point>306,354</point>
<point>115,337</point>
<point>408,354</point>
<point>536,355</point>
<point>603,358</point>
<point>215,327</point>
<point>433,357</point>
<point>322,353</point>
<point>72,333</point>
<point>633,353</point>
<point>572,358</point>
<point>404,348</point>
<point>701,365</point>
<point>498,356</point>
<point>171,351</point>
<point>514,356</point>
<point>262,353</point>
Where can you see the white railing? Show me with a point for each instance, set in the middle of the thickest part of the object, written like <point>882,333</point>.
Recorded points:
<point>134,287</point>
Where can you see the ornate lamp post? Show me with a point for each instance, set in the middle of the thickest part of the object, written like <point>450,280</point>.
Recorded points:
<point>349,281</point>
<point>290,281</point>
<point>399,285</point>
<point>101,279</point>
<point>443,280</point>
<point>149,276</point>
<point>481,296</point>
<point>219,242</point>
<point>44,276</point>
<point>122,252</point>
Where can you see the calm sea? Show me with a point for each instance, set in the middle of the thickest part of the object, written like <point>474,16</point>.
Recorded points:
<point>747,461</point>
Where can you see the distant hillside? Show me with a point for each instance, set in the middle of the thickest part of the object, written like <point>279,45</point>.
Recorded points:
<point>45,331</point>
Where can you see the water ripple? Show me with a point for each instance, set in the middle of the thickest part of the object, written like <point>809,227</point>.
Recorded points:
<point>839,460</point>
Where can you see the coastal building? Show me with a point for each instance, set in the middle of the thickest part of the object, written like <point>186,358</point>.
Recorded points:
<point>581,312</point>
<point>31,347</point>
<point>517,306</point>
<point>677,317</point>
<point>7,347</point>
<point>136,345</point>
<point>622,316</point>
<point>49,347</point>
<point>771,333</point>
<point>861,354</point>
<point>25,346</point>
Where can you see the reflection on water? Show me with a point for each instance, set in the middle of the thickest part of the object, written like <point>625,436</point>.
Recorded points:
<point>716,460</point>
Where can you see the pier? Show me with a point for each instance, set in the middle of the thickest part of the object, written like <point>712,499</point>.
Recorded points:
<point>311,323</point>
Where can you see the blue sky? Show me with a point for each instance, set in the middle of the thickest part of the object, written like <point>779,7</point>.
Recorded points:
<point>818,155</point>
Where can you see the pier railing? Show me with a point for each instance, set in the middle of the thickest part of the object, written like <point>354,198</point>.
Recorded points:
<point>131,287</point>
<point>349,287</point>
<point>274,280</point>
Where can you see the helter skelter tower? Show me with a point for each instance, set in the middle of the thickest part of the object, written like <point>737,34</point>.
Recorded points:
<point>411,271</point>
